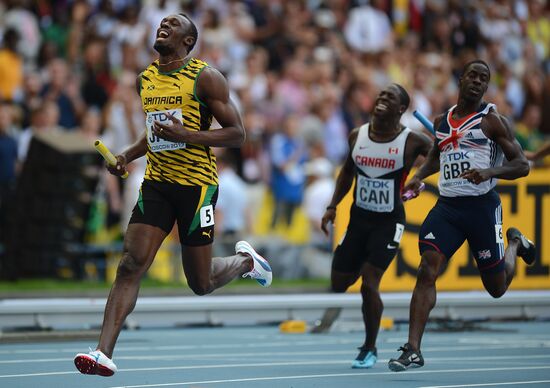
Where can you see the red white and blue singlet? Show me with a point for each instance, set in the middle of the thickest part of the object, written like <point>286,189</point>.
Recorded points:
<point>463,146</point>
<point>464,210</point>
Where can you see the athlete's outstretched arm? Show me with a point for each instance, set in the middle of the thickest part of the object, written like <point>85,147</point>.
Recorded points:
<point>343,184</point>
<point>429,167</point>
<point>497,128</point>
<point>212,91</point>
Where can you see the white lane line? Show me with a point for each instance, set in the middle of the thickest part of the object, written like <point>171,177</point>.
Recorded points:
<point>268,364</point>
<point>296,377</point>
<point>238,356</point>
<point>489,384</point>
<point>517,345</point>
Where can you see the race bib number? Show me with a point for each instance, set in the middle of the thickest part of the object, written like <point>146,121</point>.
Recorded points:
<point>453,164</point>
<point>207,216</point>
<point>157,144</point>
<point>375,194</point>
<point>498,233</point>
<point>399,228</point>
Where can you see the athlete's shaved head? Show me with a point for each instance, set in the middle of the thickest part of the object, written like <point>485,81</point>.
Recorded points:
<point>474,62</point>
<point>192,31</point>
<point>403,95</point>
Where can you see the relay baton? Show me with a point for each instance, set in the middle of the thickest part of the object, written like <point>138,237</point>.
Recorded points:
<point>430,127</point>
<point>410,193</point>
<point>425,121</point>
<point>107,155</point>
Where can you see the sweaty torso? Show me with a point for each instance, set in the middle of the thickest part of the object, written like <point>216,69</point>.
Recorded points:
<point>463,146</point>
<point>175,93</point>
<point>381,172</point>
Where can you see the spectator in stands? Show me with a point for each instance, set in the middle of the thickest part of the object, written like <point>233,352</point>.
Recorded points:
<point>63,89</point>
<point>527,129</point>
<point>288,155</point>
<point>8,163</point>
<point>232,209</point>
<point>43,119</point>
<point>11,66</point>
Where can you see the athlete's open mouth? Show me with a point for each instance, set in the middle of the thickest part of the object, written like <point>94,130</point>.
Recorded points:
<point>381,106</point>
<point>162,33</point>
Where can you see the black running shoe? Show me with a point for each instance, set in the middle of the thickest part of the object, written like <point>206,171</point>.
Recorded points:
<point>409,359</point>
<point>526,248</point>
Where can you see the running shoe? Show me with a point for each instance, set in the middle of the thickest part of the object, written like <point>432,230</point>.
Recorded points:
<point>526,248</point>
<point>262,270</point>
<point>95,363</point>
<point>365,359</point>
<point>409,359</point>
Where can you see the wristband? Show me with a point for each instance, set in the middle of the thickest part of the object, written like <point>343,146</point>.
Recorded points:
<point>331,207</point>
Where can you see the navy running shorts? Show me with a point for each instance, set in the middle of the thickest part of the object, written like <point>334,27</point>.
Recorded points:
<point>475,219</point>
<point>372,239</point>
<point>160,204</point>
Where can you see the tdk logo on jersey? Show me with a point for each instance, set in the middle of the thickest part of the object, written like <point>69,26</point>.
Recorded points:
<point>378,184</point>
<point>160,116</point>
<point>456,156</point>
<point>162,100</point>
<point>375,162</point>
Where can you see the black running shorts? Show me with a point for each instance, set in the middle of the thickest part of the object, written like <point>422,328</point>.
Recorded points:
<point>476,219</point>
<point>372,239</point>
<point>161,204</point>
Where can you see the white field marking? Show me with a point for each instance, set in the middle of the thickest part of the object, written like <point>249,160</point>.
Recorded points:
<point>296,377</point>
<point>239,356</point>
<point>520,344</point>
<point>267,364</point>
<point>489,384</point>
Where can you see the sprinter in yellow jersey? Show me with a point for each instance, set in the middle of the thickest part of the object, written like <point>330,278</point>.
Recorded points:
<point>180,96</point>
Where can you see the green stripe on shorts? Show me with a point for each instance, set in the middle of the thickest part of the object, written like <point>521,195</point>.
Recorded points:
<point>210,190</point>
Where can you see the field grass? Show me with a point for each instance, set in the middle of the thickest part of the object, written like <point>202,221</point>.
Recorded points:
<point>67,286</point>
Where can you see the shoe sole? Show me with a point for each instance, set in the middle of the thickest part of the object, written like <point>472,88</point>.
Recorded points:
<point>358,366</point>
<point>396,366</point>
<point>88,365</point>
<point>257,258</point>
<point>528,246</point>
<point>529,255</point>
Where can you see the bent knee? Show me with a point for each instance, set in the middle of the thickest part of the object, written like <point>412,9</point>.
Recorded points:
<point>368,288</point>
<point>428,269</point>
<point>129,266</point>
<point>496,292</point>
<point>339,288</point>
<point>201,288</point>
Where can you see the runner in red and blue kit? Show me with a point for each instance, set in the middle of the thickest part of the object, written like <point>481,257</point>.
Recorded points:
<point>471,142</point>
<point>381,154</point>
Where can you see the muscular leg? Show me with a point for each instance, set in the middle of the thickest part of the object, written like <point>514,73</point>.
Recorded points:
<point>141,244</point>
<point>372,304</point>
<point>339,282</point>
<point>496,284</point>
<point>205,274</point>
<point>424,295</point>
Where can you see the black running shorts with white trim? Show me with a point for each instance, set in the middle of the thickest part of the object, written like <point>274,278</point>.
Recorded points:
<point>475,219</point>
<point>372,238</point>
<point>160,204</point>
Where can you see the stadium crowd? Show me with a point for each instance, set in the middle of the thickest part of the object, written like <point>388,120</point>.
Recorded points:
<point>303,73</point>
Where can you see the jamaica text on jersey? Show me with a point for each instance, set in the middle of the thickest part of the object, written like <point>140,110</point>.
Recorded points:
<point>175,93</point>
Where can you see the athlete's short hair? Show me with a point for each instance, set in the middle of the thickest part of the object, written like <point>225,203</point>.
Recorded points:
<point>193,32</point>
<point>475,61</point>
<point>403,96</point>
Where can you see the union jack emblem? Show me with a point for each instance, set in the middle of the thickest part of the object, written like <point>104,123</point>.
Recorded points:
<point>484,254</point>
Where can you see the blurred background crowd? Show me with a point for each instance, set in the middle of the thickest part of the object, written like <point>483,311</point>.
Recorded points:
<point>303,73</point>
